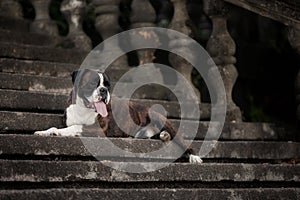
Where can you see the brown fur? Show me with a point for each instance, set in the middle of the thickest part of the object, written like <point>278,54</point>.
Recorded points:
<point>140,116</point>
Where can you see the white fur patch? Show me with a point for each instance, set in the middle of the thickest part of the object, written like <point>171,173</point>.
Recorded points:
<point>77,114</point>
<point>195,159</point>
<point>71,131</point>
<point>101,80</point>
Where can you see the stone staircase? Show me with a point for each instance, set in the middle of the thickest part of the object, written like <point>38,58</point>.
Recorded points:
<point>250,160</point>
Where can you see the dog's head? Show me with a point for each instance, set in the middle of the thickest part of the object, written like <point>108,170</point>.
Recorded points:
<point>91,90</point>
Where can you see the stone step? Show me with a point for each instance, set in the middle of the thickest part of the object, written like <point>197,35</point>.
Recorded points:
<point>41,53</point>
<point>64,84</point>
<point>35,67</point>
<point>57,100</point>
<point>34,101</point>
<point>30,145</point>
<point>17,37</point>
<point>79,171</point>
<point>35,83</point>
<point>25,121</point>
<point>153,193</point>
<point>9,23</point>
<point>44,68</point>
<point>29,122</point>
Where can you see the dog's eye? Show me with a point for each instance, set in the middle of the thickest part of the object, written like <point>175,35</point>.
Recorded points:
<point>94,83</point>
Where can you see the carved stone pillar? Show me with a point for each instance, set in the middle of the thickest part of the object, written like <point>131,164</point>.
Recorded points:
<point>143,15</point>
<point>179,23</point>
<point>202,27</point>
<point>294,39</point>
<point>74,11</point>
<point>10,8</point>
<point>107,24</point>
<point>42,23</point>
<point>222,49</point>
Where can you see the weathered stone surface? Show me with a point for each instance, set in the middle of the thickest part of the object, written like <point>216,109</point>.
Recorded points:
<point>30,52</point>
<point>18,121</point>
<point>11,8</point>
<point>107,15</point>
<point>75,14</point>
<point>222,48</point>
<point>242,131</point>
<point>35,101</point>
<point>37,60</point>
<point>181,22</point>
<point>24,121</point>
<point>59,171</point>
<point>35,83</point>
<point>44,68</point>
<point>25,38</point>
<point>59,84</point>
<point>283,11</point>
<point>156,193</point>
<point>42,23</point>
<point>143,15</point>
<point>35,67</point>
<point>57,92</point>
<point>73,146</point>
<point>10,23</point>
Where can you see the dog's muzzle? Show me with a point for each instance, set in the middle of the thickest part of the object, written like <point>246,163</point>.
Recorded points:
<point>100,104</point>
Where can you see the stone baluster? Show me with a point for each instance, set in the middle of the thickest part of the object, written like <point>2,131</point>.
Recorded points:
<point>143,15</point>
<point>221,48</point>
<point>11,8</point>
<point>202,27</point>
<point>179,23</point>
<point>74,11</point>
<point>42,23</point>
<point>294,39</point>
<point>107,24</point>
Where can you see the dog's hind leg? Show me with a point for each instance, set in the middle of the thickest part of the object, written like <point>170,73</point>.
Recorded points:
<point>152,132</point>
<point>146,132</point>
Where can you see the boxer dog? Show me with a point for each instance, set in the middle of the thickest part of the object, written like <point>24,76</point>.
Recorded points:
<point>91,107</point>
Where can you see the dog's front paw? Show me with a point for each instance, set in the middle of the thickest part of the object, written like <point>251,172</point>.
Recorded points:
<point>165,136</point>
<point>50,132</point>
<point>195,159</point>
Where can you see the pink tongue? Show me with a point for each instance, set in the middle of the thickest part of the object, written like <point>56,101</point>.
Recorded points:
<point>101,108</point>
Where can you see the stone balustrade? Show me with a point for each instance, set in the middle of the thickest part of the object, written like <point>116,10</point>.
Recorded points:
<point>140,13</point>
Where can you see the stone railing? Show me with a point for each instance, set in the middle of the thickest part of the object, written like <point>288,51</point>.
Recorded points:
<point>286,12</point>
<point>165,13</point>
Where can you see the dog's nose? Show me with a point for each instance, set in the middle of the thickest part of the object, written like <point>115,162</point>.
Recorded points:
<point>103,91</point>
<point>103,94</point>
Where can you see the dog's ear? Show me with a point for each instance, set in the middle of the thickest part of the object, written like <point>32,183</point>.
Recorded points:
<point>74,75</point>
<point>106,80</point>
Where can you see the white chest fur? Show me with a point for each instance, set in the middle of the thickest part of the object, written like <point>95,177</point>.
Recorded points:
<point>78,115</point>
